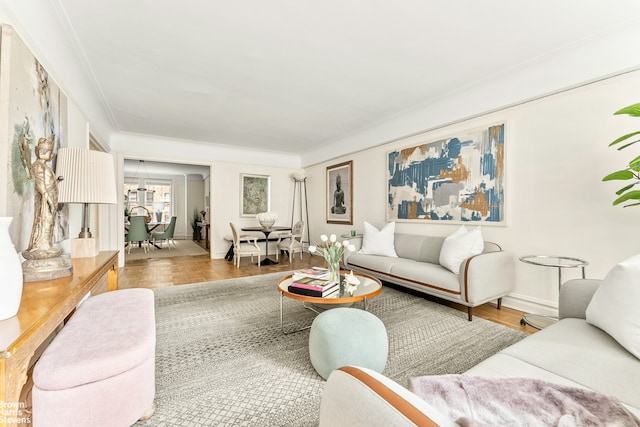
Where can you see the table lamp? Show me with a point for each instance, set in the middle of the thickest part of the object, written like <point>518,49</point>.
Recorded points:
<point>85,176</point>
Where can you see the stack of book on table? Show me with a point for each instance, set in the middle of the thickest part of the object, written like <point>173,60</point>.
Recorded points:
<point>315,272</point>
<point>314,287</point>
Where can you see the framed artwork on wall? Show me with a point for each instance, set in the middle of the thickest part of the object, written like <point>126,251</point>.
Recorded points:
<point>255,192</point>
<point>340,193</point>
<point>35,109</point>
<point>458,179</point>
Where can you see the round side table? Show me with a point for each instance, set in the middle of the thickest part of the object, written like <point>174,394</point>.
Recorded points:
<point>536,320</point>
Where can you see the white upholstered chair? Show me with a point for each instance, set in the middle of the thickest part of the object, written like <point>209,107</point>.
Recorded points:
<point>291,242</point>
<point>248,246</point>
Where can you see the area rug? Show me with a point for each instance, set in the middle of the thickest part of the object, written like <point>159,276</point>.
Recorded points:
<point>222,359</point>
<point>183,248</point>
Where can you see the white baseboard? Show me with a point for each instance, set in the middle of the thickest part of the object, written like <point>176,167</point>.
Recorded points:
<point>530,305</point>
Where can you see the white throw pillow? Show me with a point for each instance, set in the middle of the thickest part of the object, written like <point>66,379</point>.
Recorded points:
<point>615,305</point>
<point>459,246</point>
<point>378,242</point>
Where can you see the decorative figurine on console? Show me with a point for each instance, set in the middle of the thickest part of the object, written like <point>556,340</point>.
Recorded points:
<point>43,260</point>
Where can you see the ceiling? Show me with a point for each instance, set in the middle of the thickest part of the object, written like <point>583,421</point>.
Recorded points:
<point>147,168</point>
<point>288,75</point>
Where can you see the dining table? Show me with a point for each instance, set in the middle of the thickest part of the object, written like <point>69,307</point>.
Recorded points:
<point>150,227</point>
<point>266,231</point>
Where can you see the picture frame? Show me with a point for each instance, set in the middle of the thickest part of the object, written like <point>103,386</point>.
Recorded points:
<point>255,194</point>
<point>33,107</point>
<point>458,179</point>
<point>340,193</point>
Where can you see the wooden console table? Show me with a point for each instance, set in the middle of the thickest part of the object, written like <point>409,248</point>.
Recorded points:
<point>44,306</point>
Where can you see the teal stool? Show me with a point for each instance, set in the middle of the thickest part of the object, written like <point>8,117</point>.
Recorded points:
<point>347,336</point>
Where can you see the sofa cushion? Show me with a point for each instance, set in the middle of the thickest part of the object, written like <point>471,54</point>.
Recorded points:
<point>459,246</point>
<point>518,401</point>
<point>507,366</point>
<point>419,248</point>
<point>109,334</point>
<point>378,242</point>
<point>583,354</point>
<point>424,273</point>
<point>614,306</point>
<point>376,263</point>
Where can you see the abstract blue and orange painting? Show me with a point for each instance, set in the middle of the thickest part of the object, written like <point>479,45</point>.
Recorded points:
<point>455,179</point>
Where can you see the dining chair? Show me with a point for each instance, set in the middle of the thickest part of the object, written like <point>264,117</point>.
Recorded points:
<point>248,246</point>
<point>291,242</point>
<point>138,232</point>
<point>166,235</point>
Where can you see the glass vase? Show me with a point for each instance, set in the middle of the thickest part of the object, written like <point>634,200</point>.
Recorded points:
<point>334,271</point>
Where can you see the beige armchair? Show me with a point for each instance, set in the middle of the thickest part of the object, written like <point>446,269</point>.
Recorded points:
<point>245,246</point>
<point>291,242</point>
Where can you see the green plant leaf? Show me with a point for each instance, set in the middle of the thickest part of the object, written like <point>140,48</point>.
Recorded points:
<point>632,204</point>
<point>623,189</point>
<point>631,195</point>
<point>632,110</point>
<point>625,137</point>
<point>619,175</point>
<point>626,145</point>
<point>633,164</point>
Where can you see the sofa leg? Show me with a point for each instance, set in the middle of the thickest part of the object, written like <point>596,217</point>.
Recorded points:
<point>499,303</point>
<point>470,313</point>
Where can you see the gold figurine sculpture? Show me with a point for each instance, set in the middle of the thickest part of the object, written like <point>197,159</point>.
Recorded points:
<point>43,258</point>
<point>45,199</point>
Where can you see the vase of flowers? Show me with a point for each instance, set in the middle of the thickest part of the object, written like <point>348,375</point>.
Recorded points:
<point>332,251</point>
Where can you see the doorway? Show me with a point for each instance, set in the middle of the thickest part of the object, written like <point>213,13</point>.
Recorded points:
<point>160,190</point>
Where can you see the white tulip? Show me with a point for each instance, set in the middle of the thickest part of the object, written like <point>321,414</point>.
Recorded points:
<point>312,249</point>
<point>333,238</point>
<point>345,243</point>
<point>324,238</point>
<point>338,245</point>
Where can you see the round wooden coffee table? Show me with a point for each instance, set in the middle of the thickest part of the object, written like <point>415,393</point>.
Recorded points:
<point>368,288</point>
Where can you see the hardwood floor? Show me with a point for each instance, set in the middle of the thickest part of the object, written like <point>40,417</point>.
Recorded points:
<point>155,273</point>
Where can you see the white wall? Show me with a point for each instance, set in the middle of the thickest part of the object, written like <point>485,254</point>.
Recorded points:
<point>557,155</point>
<point>183,229</point>
<point>225,200</point>
<point>195,200</point>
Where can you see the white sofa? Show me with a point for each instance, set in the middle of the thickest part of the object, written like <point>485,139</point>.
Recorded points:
<point>569,353</point>
<point>481,278</point>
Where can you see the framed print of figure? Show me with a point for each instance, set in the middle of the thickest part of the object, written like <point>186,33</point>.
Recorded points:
<point>255,194</point>
<point>340,193</point>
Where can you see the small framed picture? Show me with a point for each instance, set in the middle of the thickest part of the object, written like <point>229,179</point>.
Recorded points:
<point>340,193</point>
<point>255,191</point>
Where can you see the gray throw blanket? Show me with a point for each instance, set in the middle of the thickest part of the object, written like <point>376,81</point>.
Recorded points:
<point>479,402</point>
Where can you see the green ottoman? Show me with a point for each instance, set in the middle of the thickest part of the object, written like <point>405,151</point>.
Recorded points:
<point>347,336</point>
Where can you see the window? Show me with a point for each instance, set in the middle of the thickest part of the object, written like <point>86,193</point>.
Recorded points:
<point>152,194</point>
<point>158,200</point>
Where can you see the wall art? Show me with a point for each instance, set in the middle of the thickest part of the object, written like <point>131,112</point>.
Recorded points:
<point>340,193</point>
<point>457,179</point>
<point>255,191</point>
<point>32,107</point>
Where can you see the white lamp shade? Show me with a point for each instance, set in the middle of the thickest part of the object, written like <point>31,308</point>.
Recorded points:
<point>87,176</point>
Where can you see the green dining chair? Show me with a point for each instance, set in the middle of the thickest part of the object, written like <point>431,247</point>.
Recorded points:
<point>166,235</point>
<point>138,232</point>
